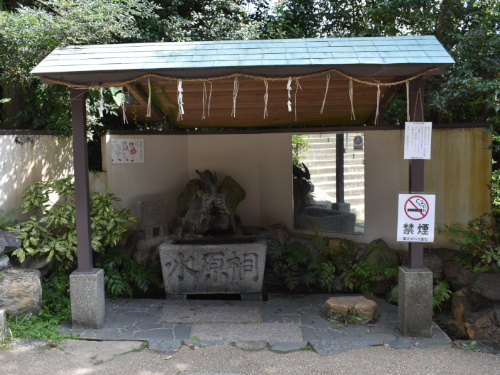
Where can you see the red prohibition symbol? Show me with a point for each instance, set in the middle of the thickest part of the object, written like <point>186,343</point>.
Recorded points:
<point>416,207</point>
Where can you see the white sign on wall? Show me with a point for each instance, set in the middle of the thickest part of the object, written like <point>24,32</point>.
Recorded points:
<point>127,150</point>
<point>416,217</point>
<point>418,140</point>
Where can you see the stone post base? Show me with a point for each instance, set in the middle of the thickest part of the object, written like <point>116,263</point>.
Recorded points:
<point>415,302</point>
<point>87,298</point>
<point>3,324</point>
<point>342,207</point>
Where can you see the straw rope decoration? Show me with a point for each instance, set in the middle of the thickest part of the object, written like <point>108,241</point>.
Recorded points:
<point>419,99</point>
<point>101,102</point>
<point>148,110</point>
<point>266,98</point>
<point>252,76</point>
<point>236,87</point>
<point>297,87</point>
<point>326,92</point>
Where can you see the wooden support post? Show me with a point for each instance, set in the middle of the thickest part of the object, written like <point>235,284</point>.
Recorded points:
<point>82,196</point>
<point>339,168</point>
<point>416,166</point>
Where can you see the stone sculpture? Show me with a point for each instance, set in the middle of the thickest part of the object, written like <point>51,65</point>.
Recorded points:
<point>209,211</point>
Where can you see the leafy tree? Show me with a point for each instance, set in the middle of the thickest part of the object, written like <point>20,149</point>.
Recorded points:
<point>468,29</point>
<point>203,20</point>
<point>29,33</point>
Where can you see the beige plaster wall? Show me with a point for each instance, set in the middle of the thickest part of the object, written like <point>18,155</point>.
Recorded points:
<point>164,172</point>
<point>259,163</point>
<point>33,158</point>
<point>458,174</point>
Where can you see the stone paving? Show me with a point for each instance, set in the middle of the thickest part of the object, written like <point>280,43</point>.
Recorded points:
<point>282,323</point>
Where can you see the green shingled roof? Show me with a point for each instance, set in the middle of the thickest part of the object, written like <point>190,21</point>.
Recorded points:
<point>182,58</point>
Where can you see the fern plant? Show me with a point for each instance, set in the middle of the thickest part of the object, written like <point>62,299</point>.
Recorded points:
<point>123,276</point>
<point>286,261</point>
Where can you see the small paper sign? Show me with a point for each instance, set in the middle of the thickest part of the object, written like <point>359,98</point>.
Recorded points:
<point>418,140</point>
<point>127,150</point>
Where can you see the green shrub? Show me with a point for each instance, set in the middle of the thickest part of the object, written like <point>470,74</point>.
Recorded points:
<point>50,232</point>
<point>479,243</point>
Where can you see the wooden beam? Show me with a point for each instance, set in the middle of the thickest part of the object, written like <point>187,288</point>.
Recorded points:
<point>81,169</point>
<point>416,166</point>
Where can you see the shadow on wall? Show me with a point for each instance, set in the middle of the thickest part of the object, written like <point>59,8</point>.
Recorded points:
<point>29,158</point>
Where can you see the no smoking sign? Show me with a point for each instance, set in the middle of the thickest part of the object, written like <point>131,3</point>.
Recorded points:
<point>416,217</point>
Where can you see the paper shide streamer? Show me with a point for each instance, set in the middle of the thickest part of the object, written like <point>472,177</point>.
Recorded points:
<point>180,100</point>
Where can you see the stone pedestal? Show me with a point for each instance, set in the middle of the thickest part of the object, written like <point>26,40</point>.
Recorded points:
<point>415,302</point>
<point>342,207</point>
<point>153,215</point>
<point>87,298</point>
<point>213,266</point>
<point>2,325</point>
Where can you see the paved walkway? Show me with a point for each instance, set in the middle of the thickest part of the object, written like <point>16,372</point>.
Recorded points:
<point>283,323</point>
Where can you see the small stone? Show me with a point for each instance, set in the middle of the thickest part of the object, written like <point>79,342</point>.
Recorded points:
<point>358,306</point>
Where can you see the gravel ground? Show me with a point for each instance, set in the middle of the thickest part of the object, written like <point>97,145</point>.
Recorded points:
<point>227,359</point>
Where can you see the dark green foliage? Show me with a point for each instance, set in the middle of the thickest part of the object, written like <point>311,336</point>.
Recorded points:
<point>50,232</point>
<point>479,243</point>
<point>441,293</point>
<point>7,218</point>
<point>123,277</point>
<point>288,261</point>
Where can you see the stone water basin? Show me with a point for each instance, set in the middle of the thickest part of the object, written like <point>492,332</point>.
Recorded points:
<point>326,220</point>
<point>213,265</point>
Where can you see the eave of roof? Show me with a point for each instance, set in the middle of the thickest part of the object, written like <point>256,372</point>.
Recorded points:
<point>378,56</point>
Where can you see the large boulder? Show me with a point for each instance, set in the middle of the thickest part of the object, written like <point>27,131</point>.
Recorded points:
<point>8,240</point>
<point>188,196</point>
<point>486,285</point>
<point>475,306</point>
<point>379,255</point>
<point>233,190</point>
<point>458,276</point>
<point>209,215</point>
<point>20,291</point>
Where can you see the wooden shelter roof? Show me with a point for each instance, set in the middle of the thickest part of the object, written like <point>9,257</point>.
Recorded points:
<point>334,81</point>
